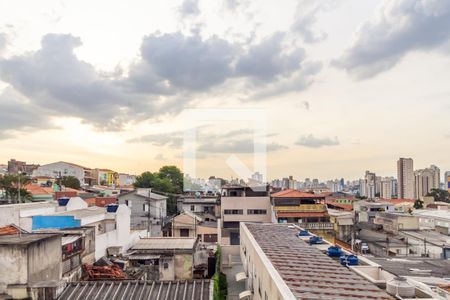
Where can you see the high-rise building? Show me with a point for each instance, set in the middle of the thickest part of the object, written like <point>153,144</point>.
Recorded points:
<point>386,188</point>
<point>405,178</point>
<point>370,182</point>
<point>437,176</point>
<point>425,180</point>
<point>447,181</point>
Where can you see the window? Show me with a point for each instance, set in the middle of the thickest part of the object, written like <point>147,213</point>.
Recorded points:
<point>256,212</point>
<point>233,212</point>
<point>145,207</point>
<point>184,232</point>
<point>166,265</point>
<point>128,203</point>
<point>192,207</point>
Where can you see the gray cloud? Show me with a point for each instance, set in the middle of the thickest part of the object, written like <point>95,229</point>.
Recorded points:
<point>267,60</point>
<point>399,28</point>
<point>314,142</point>
<point>160,156</point>
<point>234,141</point>
<point>189,8</point>
<point>172,71</point>
<point>17,114</point>
<point>306,17</point>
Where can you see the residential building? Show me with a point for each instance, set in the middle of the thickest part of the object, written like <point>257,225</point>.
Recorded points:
<point>61,169</point>
<point>279,265</point>
<point>3,169</point>
<point>393,222</point>
<point>291,206</point>
<point>189,224</point>
<point>342,224</point>
<point>370,182</point>
<point>387,189</point>
<point>126,179</point>
<point>447,181</point>
<point>200,204</point>
<point>405,178</point>
<point>366,211</point>
<point>27,259</point>
<point>148,209</point>
<point>439,220</point>
<point>166,258</point>
<point>425,180</point>
<point>240,203</point>
<point>105,177</point>
<point>15,167</point>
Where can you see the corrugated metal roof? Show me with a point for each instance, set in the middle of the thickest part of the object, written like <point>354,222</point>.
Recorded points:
<point>134,290</point>
<point>164,243</point>
<point>309,273</point>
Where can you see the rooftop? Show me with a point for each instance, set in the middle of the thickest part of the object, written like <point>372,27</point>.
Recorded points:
<point>443,214</point>
<point>82,213</point>
<point>10,230</point>
<point>308,272</point>
<point>416,266</point>
<point>165,243</point>
<point>133,290</point>
<point>290,193</point>
<point>25,238</point>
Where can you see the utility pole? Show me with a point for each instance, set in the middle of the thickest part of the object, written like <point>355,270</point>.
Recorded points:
<point>425,246</point>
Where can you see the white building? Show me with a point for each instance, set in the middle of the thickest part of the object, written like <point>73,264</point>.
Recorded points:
<point>61,169</point>
<point>438,220</point>
<point>425,180</point>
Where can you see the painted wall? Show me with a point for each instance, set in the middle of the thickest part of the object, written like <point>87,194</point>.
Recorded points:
<point>57,222</point>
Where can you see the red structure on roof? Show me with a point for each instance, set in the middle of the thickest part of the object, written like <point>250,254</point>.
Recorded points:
<point>290,193</point>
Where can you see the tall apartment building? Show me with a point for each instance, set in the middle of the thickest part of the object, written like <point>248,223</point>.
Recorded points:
<point>447,181</point>
<point>370,182</point>
<point>425,180</point>
<point>386,188</point>
<point>405,178</point>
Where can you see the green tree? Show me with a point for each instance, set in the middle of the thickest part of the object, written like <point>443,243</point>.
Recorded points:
<point>9,183</point>
<point>418,204</point>
<point>439,195</point>
<point>71,182</point>
<point>174,175</point>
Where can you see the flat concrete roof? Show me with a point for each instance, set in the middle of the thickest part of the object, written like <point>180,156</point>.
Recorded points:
<point>309,273</point>
<point>25,238</point>
<point>165,243</point>
<point>82,213</point>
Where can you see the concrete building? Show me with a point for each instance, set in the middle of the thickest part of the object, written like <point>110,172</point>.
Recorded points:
<point>366,211</point>
<point>15,167</point>
<point>201,205</point>
<point>447,181</point>
<point>126,179</point>
<point>388,187</point>
<point>279,265</point>
<point>105,177</point>
<point>241,204</point>
<point>394,222</point>
<point>405,178</point>
<point>28,259</point>
<point>188,224</point>
<point>343,224</point>
<point>425,180</point>
<point>61,169</point>
<point>166,258</point>
<point>439,220</point>
<point>145,207</point>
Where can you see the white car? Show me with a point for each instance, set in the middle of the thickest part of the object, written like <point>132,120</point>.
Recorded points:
<point>364,248</point>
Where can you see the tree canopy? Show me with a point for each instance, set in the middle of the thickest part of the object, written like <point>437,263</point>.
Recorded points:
<point>439,195</point>
<point>71,182</point>
<point>9,183</point>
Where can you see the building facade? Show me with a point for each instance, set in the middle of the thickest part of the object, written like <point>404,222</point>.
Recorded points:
<point>405,178</point>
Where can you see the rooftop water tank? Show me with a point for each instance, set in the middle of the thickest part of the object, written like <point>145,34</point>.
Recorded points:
<point>334,251</point>
<point>112,208</point>
<point>303,233</point>
<point>399,286</point>
<point>315,240</point>
<point>63,201</point>
<point>349,260</point>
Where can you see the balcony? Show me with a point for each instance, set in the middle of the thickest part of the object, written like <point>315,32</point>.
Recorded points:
<point>317,226</point>
<point>302,208</point>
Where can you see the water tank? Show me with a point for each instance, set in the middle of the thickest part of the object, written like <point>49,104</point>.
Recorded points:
<point>112,208</point>
<point>303,233</point>
<point>315,240</point>
<point>63,201</point>
<point>349,260</point>
<point>399,286</point>
<point>334,251</point>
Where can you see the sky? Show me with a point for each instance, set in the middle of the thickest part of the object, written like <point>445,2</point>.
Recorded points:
<point>340,86</point>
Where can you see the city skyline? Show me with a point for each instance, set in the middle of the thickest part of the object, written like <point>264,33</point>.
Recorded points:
<point>336,104</point>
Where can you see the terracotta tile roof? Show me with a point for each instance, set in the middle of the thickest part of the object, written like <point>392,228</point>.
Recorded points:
<point>290,193</point>
<point>348,207</point>
<point>397,201</point>
<point>38,190</point>
<point>293,214</point>
<point>10,230</point>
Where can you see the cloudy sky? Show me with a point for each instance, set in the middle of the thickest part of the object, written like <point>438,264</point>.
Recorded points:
<point>344,85</point>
